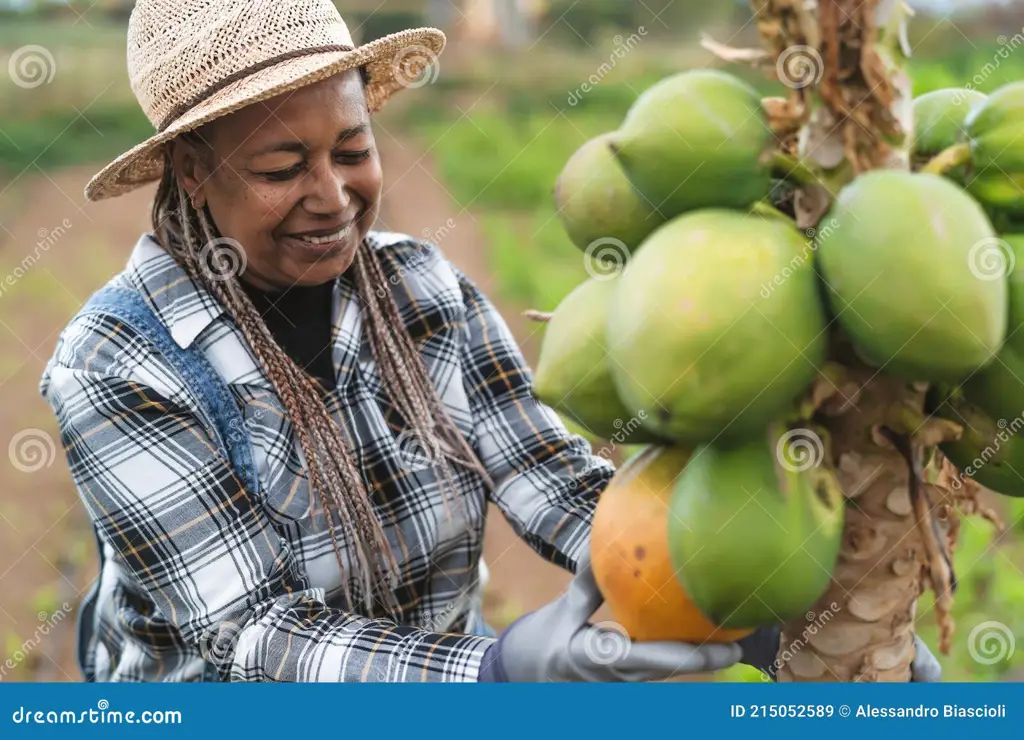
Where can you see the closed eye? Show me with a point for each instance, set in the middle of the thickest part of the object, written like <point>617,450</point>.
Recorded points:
<point>282,175</point>
<point>354,157</point>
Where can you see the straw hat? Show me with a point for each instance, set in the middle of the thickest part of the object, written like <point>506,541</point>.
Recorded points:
<point>191,61</point>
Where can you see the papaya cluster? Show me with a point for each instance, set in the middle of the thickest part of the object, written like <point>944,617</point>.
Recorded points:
<point>702,346</point>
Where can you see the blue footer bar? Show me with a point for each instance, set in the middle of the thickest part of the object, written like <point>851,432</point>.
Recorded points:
<point>521,711</point>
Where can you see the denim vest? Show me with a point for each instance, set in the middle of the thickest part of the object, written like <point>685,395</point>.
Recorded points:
<point>220,415</point>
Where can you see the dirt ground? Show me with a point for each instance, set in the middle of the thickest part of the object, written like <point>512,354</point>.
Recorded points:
<point>47,555</point>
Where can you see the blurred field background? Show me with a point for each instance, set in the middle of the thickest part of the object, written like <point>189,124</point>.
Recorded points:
<point>470,159</point>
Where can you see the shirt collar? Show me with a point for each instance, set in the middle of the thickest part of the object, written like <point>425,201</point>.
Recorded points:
<point>184,307</point>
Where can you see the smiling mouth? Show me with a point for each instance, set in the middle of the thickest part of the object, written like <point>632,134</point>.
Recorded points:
<point>331,238</point>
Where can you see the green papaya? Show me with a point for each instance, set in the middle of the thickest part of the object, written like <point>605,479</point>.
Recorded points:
<point>991,450</point>
<point>596,202</point>
<point>989,405</point>
<point>573,375</point>
<point>716,325</point>
<point>909,272</point>
<point>697,140</point>
<point>939,123</point>
<point>997,150</point>
<point>755,529</point>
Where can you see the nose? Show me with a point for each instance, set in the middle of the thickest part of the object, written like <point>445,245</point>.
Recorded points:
<point>327,192</point>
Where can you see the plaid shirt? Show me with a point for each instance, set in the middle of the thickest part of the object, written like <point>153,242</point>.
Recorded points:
<point>199,572</point>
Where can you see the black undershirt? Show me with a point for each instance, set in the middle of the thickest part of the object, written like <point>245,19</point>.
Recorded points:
<point>300,320</point>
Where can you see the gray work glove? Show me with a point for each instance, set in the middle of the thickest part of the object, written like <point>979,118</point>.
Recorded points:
<point>557,643</point>
<point>761,646</point>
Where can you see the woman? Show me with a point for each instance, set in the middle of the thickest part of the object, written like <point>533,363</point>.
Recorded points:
<point>286,426</point>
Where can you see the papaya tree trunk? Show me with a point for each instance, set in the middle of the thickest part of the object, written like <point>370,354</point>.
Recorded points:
<point>843,60</point>
<point>862,627</point>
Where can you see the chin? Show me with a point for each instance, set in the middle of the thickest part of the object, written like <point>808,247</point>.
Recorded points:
<point>315,267</point>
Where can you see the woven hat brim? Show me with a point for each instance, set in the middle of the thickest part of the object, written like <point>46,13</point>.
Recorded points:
<point>144,163</point>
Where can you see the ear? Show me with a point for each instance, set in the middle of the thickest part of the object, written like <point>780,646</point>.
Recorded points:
<point>192,169</point>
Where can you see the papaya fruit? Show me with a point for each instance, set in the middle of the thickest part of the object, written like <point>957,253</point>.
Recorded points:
<point>939,118</point>
<point>907,273</point>
<point>989,405</point>
<point>596,201</point>
<point>630,557</point>
<point>991,449</point>
<point>694,140</point>
<point>993,129</point>
<point>716,325</point>
<point>754,541</point>
<point>573,374</point>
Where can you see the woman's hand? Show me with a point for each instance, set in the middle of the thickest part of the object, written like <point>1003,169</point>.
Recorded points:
<point>556,643</point>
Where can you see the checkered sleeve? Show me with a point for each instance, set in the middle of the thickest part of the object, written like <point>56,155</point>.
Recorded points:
<point>164,498</point>
<point>547,479</point>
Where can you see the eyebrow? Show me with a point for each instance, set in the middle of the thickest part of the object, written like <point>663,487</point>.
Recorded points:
<point>298,147</point>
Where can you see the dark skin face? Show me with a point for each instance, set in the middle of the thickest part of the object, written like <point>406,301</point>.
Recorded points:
<point>281,175</point>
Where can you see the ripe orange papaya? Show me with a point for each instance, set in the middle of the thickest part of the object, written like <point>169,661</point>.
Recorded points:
<point>630,555</point>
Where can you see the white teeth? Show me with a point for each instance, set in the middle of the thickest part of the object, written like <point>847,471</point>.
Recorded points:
<point>336,236</point>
